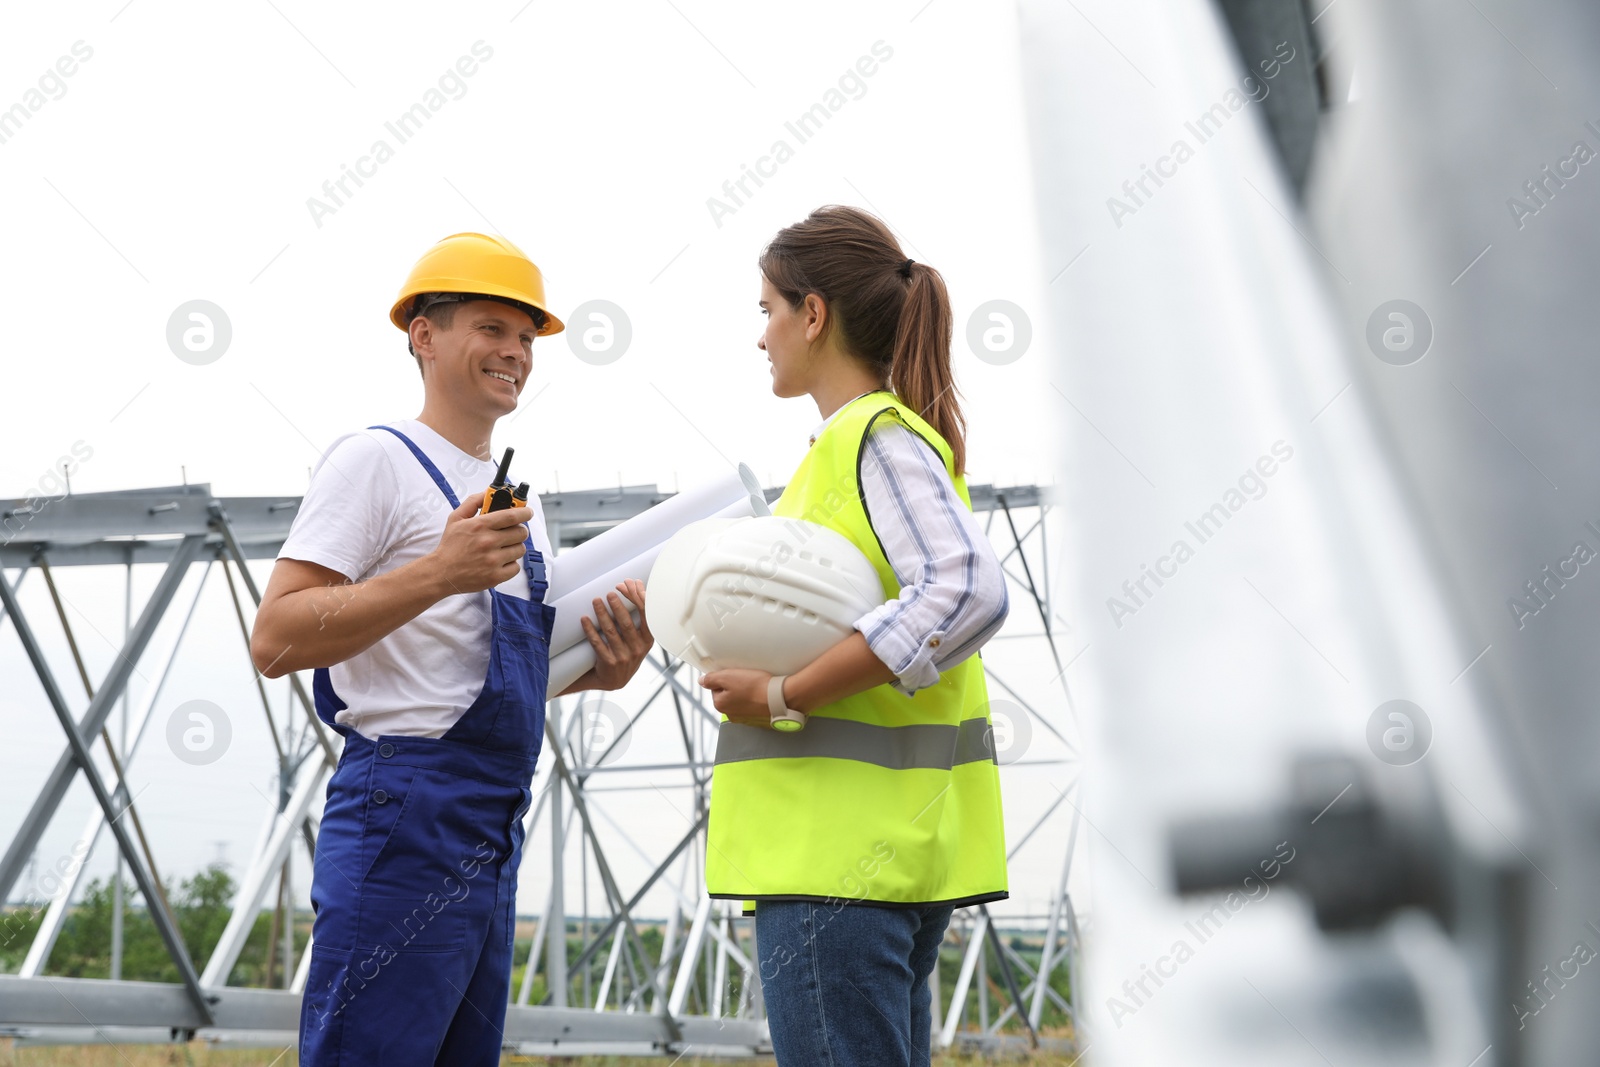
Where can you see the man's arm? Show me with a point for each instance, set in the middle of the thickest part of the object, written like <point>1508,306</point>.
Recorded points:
<point>313,616</point>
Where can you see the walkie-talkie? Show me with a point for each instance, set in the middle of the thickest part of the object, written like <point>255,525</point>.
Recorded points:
<point>500,494</point>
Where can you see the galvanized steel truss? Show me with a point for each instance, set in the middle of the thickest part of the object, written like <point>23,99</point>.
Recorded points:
<point>688,996</point>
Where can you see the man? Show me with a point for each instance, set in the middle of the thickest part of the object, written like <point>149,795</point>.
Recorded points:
<point>427,627</point>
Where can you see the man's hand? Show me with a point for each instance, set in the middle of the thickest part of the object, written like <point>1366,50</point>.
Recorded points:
<point>478,552</point>
<point>619,645</point>
<point>740,693</point>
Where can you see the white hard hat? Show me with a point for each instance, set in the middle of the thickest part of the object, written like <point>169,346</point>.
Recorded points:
<point>766,592</point>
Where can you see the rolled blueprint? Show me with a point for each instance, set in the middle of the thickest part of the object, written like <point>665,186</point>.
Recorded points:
<point>597,556</point>
<point>574,605</point>
<point>567,667</point>
<point>575,586</point>
<point>578,604</point>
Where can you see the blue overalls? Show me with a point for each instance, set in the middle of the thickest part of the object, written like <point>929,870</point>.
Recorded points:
<point>416,866</point>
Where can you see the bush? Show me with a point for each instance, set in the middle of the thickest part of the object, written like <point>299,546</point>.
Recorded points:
<point>201,905</point>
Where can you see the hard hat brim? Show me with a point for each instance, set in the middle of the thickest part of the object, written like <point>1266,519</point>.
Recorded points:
<point>399,315</point>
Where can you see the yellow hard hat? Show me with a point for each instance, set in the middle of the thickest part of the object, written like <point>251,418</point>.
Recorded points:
<point>480,264</point>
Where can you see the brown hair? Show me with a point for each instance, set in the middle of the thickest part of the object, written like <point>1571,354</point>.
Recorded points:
<point>891,313</point>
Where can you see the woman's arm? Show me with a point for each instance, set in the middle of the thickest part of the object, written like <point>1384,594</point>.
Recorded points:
<point>953,594</point>
<point>848,668</point>
<point>952,599</point>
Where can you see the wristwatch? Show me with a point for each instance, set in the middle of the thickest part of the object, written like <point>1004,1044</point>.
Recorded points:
<point>784,718</point>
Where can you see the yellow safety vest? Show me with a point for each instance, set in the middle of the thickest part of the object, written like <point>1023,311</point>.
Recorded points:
<point>882,798</point>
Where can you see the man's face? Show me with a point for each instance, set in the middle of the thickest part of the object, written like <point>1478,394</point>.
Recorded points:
<point>487,343</point>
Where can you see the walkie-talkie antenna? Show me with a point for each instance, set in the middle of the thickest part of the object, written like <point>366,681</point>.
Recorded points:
<point>505,465</point>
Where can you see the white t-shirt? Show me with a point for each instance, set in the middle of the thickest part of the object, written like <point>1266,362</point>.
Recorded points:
<point>373,507</point>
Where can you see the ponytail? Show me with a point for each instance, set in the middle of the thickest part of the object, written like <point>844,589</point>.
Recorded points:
<point>919,370</point>
<point>892,313</point>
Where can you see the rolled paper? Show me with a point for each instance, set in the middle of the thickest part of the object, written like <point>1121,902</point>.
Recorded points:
<point>567,667</point>
<point>758,497</point>
<point>583,574</point>
<point>578,604</point>
<point>582,564</point>
<point>572,606</point>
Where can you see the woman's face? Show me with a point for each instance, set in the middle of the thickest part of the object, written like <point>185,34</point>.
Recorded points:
<point>787,340</point>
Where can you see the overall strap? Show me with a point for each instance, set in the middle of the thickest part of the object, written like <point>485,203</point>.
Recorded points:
<point>534,561</point>
<point>444,486</point>
<point>537,583</point>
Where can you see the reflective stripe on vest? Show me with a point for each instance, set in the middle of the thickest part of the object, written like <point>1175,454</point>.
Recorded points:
<point>930,745</point>
<point>883,797</point>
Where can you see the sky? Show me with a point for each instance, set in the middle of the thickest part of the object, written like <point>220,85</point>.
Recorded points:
<point>179,162</point>
<point>193,154</point>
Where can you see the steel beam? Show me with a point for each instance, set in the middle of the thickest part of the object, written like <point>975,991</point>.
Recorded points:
<point>275,1013</point>
<point>73,529</point>
<point>21,574</point>
<point>969,964</point>
<point>1047,957</point>
<point>79,749</point>
<point>253,889</point>
<point>55,915</point>
<point>55,786</point>
<point>613,893</point>
<point>691,955</point>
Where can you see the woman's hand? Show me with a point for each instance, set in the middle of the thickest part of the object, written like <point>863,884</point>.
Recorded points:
<point>848,668</point>
<point>741,694</point>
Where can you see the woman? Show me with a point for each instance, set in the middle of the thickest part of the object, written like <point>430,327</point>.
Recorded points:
<point>859,835</point>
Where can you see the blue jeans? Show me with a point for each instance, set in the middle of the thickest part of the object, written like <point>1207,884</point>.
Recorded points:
<point>846,984</point>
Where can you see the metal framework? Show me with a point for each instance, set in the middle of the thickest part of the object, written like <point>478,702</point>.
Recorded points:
<point>701,991</point>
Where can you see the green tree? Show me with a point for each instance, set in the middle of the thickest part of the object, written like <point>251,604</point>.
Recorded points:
<point>200,905</point>
<point>18,925</point>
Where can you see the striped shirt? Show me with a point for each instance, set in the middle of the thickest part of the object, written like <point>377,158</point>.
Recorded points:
<point>952,590</point>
